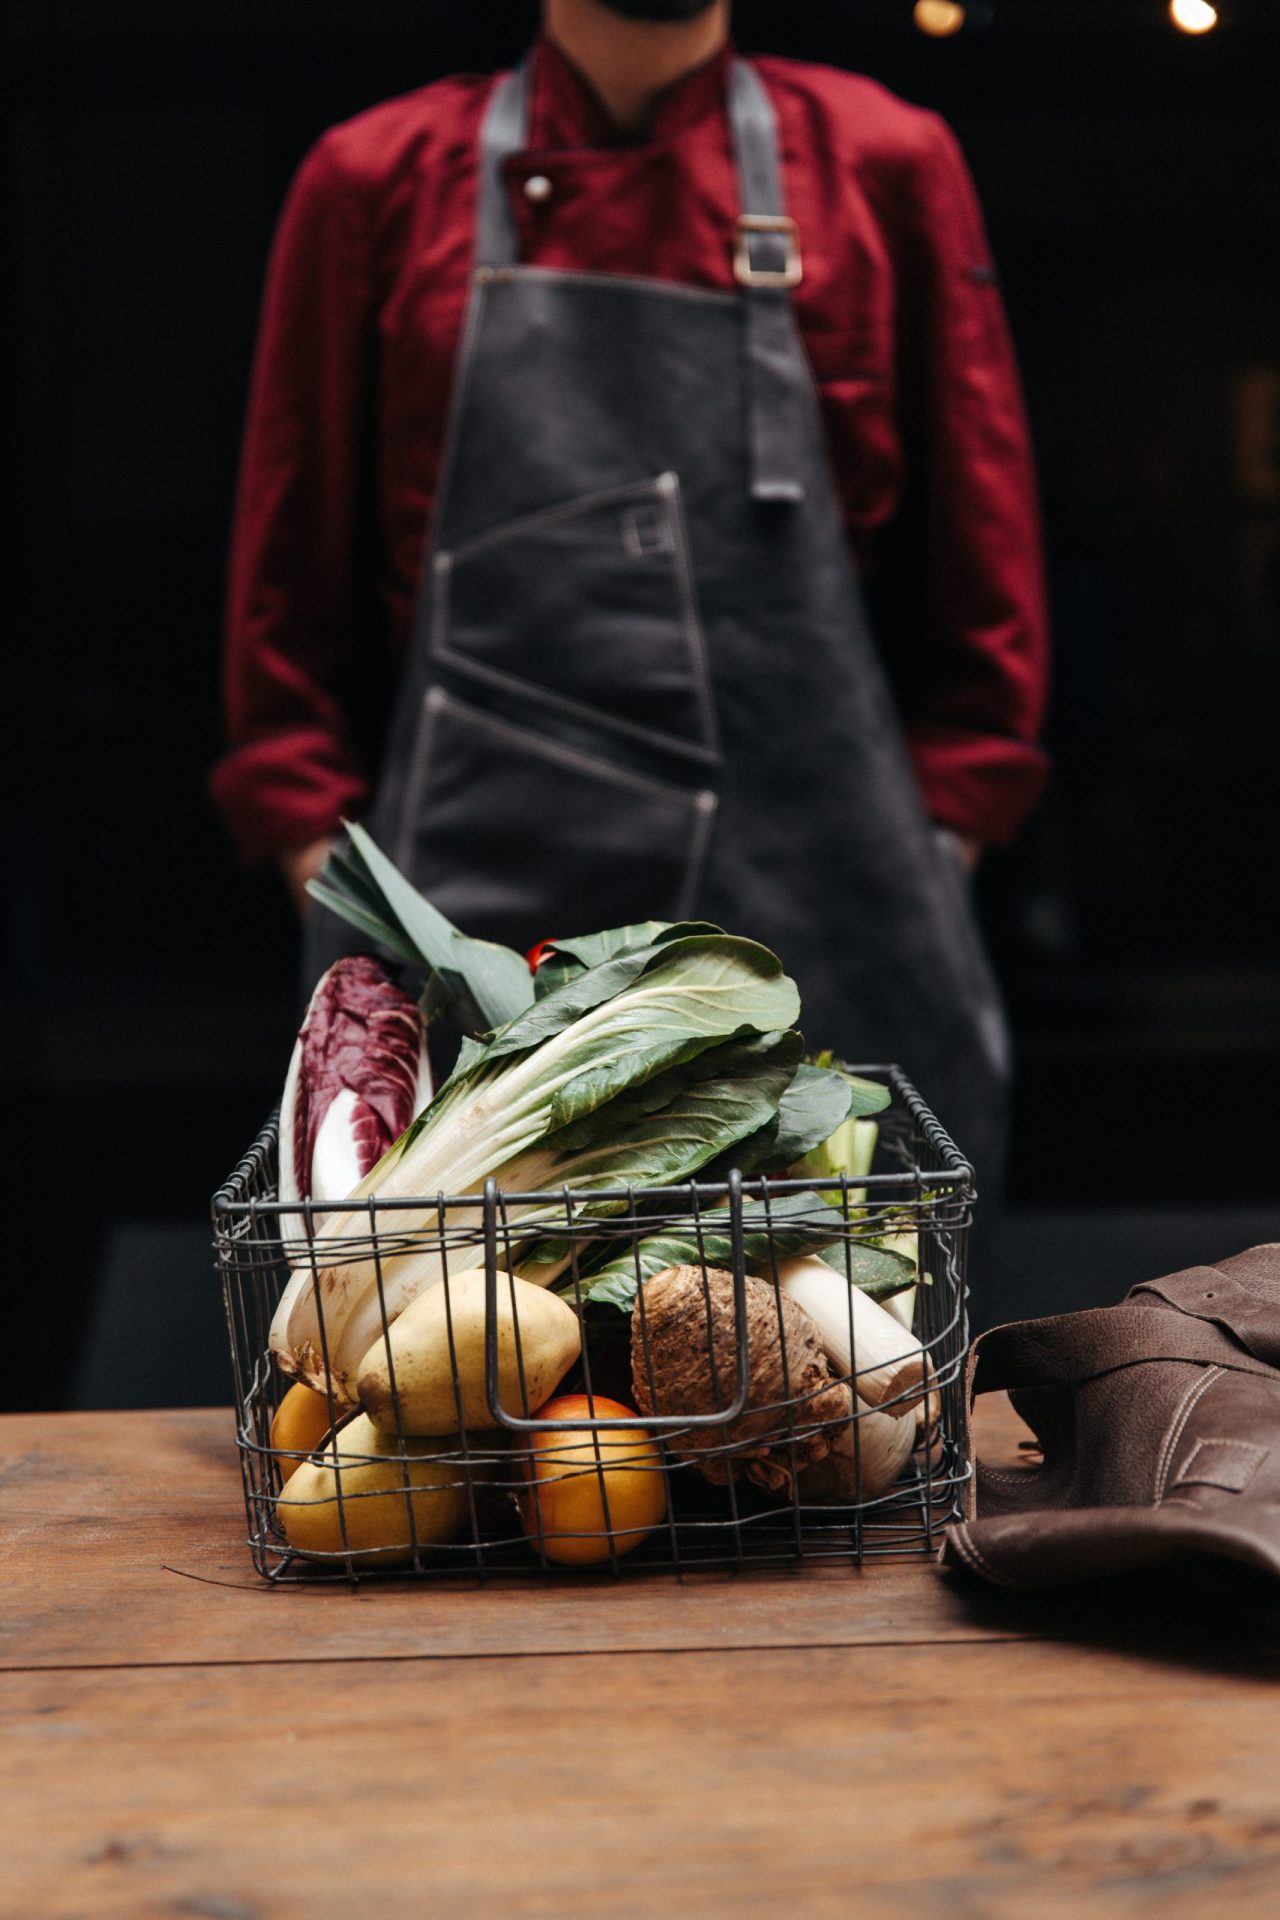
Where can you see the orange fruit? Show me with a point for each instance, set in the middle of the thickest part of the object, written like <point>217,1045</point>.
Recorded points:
<point>299,1424</point>
<point>568,1514</point>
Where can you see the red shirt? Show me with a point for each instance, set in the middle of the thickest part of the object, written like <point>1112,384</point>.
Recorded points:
<point>899,315</point>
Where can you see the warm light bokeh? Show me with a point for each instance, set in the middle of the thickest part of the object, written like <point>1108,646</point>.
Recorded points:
<point>939,17</point>
<point>1193,16</point>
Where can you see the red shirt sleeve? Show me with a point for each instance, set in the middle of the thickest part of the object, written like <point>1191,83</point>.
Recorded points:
<point>970,630</point>
<point>299,613</point>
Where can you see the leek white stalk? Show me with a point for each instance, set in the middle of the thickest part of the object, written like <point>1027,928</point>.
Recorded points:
<point>864,1467</point>
<point>903,1307</point>
<point>889,1360</point>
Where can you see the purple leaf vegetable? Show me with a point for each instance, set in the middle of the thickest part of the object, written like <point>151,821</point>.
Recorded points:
<point>358,1076</point>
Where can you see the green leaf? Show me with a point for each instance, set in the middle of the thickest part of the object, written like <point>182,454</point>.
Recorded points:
<point>568,958</point>
<point>343,872</point>
<point>816,1113</point>
<point>536,1027</point>
<point>793,1223</point>
<point>814,1105</point>
<point>709,1102</point>
<point>849,1147</point>
<point>811,1108</point>
<point>717,985</point>
<point>487,984</point>
<point>508,1096</point>
<point>577,996</point>
<point>589,949</point>
<point>867,1096</point>
<point>693,993</point>
<point>552,973</point>
<point>617,1285</point>
<point>768,1059</point>
<point>470,1051</point>
<point>380,931</point>
<point>873,1269</point>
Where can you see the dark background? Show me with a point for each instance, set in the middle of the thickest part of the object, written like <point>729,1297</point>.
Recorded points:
<point>1129,177</point>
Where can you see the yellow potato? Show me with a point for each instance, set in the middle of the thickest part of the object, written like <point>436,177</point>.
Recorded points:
<point>430,1400</point>
<point>375,1498</point>
<point>301,1422</point>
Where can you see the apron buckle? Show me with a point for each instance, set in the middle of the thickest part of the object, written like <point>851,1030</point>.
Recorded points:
<point>746,273</point>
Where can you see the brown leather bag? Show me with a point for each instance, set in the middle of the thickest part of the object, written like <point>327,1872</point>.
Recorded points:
<point>1159,1424</point>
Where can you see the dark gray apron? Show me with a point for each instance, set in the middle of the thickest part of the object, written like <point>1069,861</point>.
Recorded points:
<point>642,682</point>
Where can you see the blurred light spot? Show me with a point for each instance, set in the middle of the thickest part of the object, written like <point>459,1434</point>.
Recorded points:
<point>941,17</point>
<point>1193,16</point>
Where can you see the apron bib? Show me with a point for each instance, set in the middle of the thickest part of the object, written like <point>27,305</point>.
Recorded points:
<point>642,682</point>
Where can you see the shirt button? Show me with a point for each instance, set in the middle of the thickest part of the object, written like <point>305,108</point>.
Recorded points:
<point>538,188</point>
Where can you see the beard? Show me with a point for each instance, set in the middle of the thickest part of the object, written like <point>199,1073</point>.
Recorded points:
<point>665,10</point>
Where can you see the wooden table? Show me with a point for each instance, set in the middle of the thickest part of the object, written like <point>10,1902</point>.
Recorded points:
<point>180,1740</point>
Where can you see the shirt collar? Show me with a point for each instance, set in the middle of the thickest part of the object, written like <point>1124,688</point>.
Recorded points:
<point>566,111</point>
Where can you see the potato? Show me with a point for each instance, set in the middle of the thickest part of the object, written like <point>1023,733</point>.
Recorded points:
<point>375,1497</point>
<point>301,1422</point>
<point>430,1400</point>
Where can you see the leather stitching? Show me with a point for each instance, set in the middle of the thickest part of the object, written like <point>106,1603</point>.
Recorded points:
<point>1178,1423</point>
<point>522,739</point>
<point>534,694</point>
<point>695,632</point>
<point>702,805</point>
<point>695,859</point>
<point>639,493</point>
<point>1186,1474</point>
<point>976,1560</point>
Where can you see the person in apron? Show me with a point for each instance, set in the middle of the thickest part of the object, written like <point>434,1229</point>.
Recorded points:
<point>642,681</point>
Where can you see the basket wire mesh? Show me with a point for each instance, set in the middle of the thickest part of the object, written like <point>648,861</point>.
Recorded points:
<point>494,1478</point>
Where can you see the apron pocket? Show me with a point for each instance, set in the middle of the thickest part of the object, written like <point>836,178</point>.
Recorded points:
<point>520,838</point>
<point>589,608</point>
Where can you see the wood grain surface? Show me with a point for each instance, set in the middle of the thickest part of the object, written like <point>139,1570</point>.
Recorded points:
<point>890,1743</point>
<point>124,1543</point>
<point>871,1782</point>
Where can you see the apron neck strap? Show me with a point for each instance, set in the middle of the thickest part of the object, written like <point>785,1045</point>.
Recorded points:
<point>504,131</point>
<point>766,264</point>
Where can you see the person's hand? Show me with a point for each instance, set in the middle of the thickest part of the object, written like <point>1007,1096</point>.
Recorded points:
<point>959,846</point>
<point>300,864</point>
<point>970,850</point>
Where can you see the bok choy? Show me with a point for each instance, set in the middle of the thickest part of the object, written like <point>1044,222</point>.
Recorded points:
<point>643,1068</point>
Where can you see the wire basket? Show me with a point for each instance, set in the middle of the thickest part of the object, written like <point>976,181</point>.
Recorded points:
<point>670,1487</point>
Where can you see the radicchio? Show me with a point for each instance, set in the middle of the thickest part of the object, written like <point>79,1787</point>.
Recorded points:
<point>358,1076</point>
